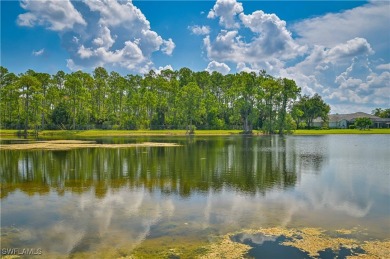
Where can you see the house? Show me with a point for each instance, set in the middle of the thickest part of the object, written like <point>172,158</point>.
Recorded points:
<point>342,121</point>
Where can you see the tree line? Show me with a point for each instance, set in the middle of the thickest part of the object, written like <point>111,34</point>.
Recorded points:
<point>181,99</point>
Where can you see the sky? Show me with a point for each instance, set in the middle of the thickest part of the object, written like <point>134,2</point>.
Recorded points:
<point>338,49</point>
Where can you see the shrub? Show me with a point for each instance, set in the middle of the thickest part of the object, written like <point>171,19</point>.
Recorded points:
<point>363,123</point>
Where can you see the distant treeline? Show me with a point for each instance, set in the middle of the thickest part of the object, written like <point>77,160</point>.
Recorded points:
<point>181,99</point>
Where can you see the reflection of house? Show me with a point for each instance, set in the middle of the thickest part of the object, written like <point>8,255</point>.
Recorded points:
<point>342,121</point>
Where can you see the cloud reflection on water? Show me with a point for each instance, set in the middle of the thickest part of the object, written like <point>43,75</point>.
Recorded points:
<point>319,181</point>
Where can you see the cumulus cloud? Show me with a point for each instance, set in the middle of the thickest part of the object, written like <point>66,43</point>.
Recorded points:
<point>227,11</point>
<point>104,39</point>
<point>54,15</point>
<point>112,33</point>
<point>383,66</point>
<point>336,55</point>
<point>168,46</point>
<point>352,48</point>
<point>270,37</point>
<point>159,69</point>
<point>72,66</point>
<point>38,52</point>
<point>368,21</point>
<point>219,67</point>
<point>119,13</point>
<point>242,67</point>
<point>199,30</point>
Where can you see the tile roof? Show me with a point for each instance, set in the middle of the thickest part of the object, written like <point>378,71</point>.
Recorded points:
<point>351,116</point>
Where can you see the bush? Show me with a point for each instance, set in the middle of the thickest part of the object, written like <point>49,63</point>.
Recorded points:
<point>116,127</point>
<point>60,115</point>
<point>363,123</point>
<point>192,129</point>
<point>352,127</point>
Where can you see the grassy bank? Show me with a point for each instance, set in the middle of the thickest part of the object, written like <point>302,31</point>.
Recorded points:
<point>103,133</point>
<point>341,131</point>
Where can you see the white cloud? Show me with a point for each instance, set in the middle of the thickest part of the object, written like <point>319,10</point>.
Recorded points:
<point>85,52</point>
<point>199,30</point>
<point>219,67</point>
<point>168,46</point>
<point>356,87</point>
<point>369,21</point>
<point>159,69</point>
<point>72,66</point>
<point>350,49</point>
<point>226,46</point>
<point>119,13</point>
<point>242,67</point>
<point>54,15</point>
<point>383,66</point>
<point>124,39</point>
<point>227,11</point>
<point>270,38</point>
<point>336,55</point>
<point>112,33</point>
<point>104,39</point>
<point>38,52</point>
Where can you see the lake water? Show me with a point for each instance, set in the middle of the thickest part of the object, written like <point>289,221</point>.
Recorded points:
<point>113,202</point>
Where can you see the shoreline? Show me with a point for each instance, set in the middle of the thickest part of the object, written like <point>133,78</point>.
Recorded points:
<point>145,133</point>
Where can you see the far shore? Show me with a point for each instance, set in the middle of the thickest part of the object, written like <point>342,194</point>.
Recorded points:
<point>124,133</point>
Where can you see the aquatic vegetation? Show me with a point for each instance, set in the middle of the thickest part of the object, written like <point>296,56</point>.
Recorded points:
<point>226,248</point>
<point>312,241</point>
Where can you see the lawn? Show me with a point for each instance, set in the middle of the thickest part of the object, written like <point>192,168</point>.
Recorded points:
<point>341,131</point>
<point>102,133</point>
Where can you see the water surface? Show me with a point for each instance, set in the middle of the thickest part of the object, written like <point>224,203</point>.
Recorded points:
<point>94,201</point>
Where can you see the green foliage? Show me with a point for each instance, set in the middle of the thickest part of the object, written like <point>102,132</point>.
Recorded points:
<point>363,123</point>
<point>352,127</point>
<point>383,113</point>
<point>192,104</point>
<point>181,99</point>
<point>31,96</point>
<point>288,94</point>
<point>60,116</point>
<point>308,108</point>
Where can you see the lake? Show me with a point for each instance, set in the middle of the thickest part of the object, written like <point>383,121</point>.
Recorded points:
<point>156,201</point>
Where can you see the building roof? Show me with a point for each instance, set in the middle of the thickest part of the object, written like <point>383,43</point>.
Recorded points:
<point>351,116</point>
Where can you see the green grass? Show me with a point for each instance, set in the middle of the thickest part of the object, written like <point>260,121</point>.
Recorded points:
<point>341,131</point>
<point>102,133</point>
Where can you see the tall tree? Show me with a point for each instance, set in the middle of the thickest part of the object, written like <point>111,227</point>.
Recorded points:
<point>30,92</point>
<point>44,79</point>
<point>245,85</point>
<point>99,93</point>
<point>271,89</point>
<point>313,107</point>
<point>289,92</point>
<point>73,86</point>
<point>9,98</point>
<point>383,113</point>
<point>167,99</point>
<point>192,104</point>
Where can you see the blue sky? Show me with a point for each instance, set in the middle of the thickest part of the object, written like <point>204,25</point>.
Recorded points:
<point>339,49</point>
